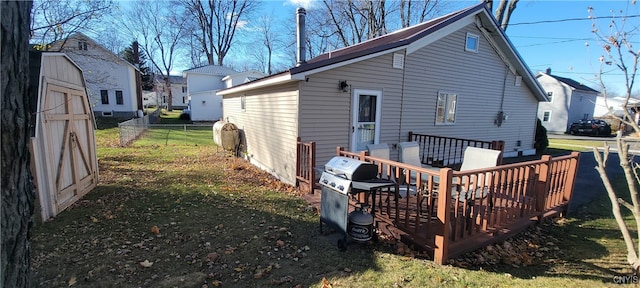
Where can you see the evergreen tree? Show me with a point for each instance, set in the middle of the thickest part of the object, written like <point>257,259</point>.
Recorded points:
<point>145,71</point>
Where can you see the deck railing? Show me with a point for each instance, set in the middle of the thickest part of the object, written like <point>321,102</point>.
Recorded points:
<point>451,212</point>
<point>305,164</point>
<point>439,151</point>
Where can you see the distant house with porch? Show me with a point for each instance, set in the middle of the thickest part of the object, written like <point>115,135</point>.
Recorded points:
<point>111,80</point>
<point>456,76</point>
<point>569,101</point>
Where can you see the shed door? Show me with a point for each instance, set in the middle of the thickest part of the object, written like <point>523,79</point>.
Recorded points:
<point>366,118</point>
<point>69,136</point>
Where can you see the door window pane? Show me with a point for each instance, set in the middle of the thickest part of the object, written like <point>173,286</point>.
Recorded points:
<point>367,109</point>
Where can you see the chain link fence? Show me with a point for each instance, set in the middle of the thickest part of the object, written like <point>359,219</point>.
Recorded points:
<point>133,128</point>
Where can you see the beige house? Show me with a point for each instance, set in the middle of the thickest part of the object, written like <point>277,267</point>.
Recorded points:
<point>455,76</point>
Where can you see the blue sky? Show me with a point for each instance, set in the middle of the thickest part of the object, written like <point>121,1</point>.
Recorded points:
<point>556,45</point>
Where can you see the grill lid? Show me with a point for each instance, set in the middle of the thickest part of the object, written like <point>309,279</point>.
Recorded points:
<point>351,169</point>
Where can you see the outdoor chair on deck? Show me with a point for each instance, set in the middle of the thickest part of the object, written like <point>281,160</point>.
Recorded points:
<point>478,186</point>
<point>409,153</point>
<point>476,158</point>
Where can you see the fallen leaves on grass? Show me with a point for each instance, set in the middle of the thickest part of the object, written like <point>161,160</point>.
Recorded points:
<point>146,264</point>
<point>155,230</point>
<point>534,246</point>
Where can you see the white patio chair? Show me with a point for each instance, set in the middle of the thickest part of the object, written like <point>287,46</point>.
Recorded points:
<point>380,151</point>
<point>409,153</point>
<point>476,158</point>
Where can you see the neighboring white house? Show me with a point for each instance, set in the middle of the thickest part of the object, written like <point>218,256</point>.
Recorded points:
<point>242,77</point>
<point>203,82</point>
<point>179,94</point>
<point>150,99</point>
<point>613,104</point>
<point>569,101</point>
<point>453,76</point>
<point>111,80</point>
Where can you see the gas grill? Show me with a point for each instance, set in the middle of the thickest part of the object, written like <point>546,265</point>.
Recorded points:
<point>343,177</point>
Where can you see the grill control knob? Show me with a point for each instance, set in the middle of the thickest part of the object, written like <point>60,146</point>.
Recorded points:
<point>340,187</point>
<point>325,181</point>
<point>333,184</point>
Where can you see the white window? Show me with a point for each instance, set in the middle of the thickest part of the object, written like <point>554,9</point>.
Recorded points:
<point>82,45</point>
<point>472,42</point>
<point>550,96</point>
<point>446,108</point>
<point>243,103</point>
<point>184,89</point>
<point>546,116</point>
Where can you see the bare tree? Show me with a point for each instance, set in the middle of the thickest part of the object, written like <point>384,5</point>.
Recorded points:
<point>267,33</point>
<point>217,22</point>
<point>619,52</point>
<point>414,12</point>
<point>503,12</point>
<point>54,20</point>
<point>159,29</point>
<point>18,194</point>
<point>338,23</point>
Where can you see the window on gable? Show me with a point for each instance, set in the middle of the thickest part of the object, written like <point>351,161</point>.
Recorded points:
<point>446,108</point>
<point>550,96</point>
<point>546,116</point>
<point>119,98</point>
<point>472,42</point>
<point>104,96</point>
<point>82,45</point>
<point>243,103</point>
<point>184,89</point>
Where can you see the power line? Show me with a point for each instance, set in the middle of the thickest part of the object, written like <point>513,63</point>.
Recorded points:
<point>572,19</point>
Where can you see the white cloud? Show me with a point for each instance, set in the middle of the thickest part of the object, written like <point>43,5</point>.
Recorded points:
<point>306,4</point>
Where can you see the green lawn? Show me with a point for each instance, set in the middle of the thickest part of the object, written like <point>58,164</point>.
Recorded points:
<point>195,217</point>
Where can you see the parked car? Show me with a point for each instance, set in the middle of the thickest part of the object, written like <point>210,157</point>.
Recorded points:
<point>590,127</point>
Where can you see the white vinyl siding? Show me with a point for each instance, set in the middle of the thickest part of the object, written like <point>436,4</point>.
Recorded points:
<point>438,67</point>
<point>269,124</point>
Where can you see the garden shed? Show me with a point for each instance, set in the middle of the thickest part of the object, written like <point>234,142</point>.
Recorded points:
<point>63,150</point>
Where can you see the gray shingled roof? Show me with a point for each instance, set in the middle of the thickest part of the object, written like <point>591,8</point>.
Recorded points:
<point>212,70</point>
<point>574,84</point>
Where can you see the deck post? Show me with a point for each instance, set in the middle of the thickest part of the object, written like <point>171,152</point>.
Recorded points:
<point>441,249</point>
<point>312,167</point>
<point>571,180</point>
<point>410,136</point>
<point>298,158</point>
<point>543,186</point>
<point>338,150</point>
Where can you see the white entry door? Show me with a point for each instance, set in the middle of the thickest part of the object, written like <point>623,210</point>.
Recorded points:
<point>366,118</point>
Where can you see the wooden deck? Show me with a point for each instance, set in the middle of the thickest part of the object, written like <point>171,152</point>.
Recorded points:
<point>433,216</point>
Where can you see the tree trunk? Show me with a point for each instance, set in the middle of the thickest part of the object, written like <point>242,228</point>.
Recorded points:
<point>17,189</point>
